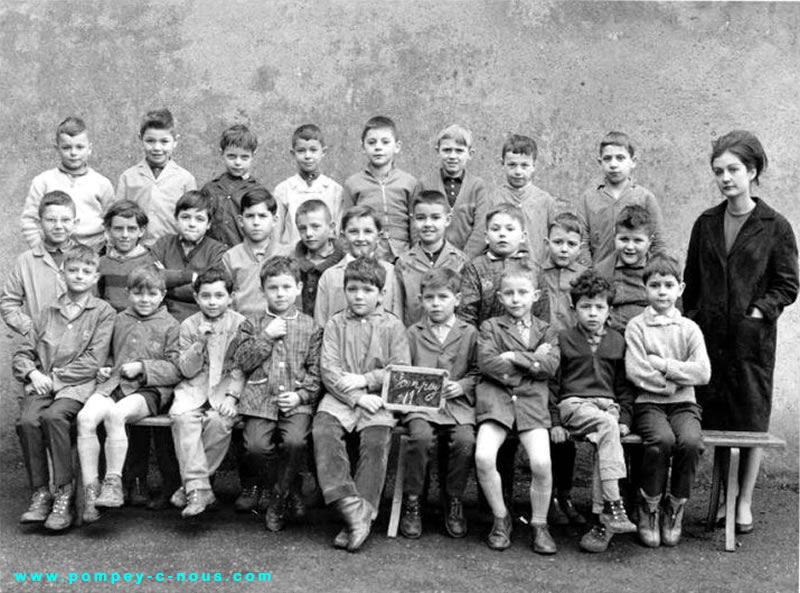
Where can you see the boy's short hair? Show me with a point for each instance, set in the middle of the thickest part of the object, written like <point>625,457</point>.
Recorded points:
<point>361,212</point>
<point>620,139</point>
<point>367,270</point>
<point>591,284</point>
<point>456,133</point>
<point>634,217</point>
<point>313,205</point>
<point>441,279</point>
<point>82,254</point>
<point>379,122</point>
<point>278,265</point>
<point>212,275</point>
<point>567,221</point>
<point>56,198</point>
<point>308,132</point>
<point>195,199</point>
<point>519,269</point>
<point>664,265</point>
<point>238,136</point>
<point>430,196</point>
<point>147,277</point>
<point>511,210</point>
<point>126,209</point>
<point>255,196</point>
<point>157,119</point>
<point>518,144</point>
<point>745,146</point>
<point>70,126</point>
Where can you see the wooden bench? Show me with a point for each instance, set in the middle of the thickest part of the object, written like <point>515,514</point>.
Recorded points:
<point>719,440</point>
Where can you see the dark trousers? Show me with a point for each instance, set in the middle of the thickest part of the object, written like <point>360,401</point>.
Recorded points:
<point>333,462</point>
<point>563,467</point>
<point>668,431</point>
<point>459,441</point>
<point>47,423</point>
<point>138,459</point>
<point>262,460</point>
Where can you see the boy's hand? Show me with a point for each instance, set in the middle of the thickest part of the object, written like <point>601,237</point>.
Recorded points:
<point>103,374</point>
<point>288,401</point>
<point>370,402</point>
<point>205,330</point>
<point>559,434</point>
<point>508,356</point>
<point>452,389</point>
<point>41,383</point>
<point>657,362</point>
<point>624,430</point>
<point>276,328</point>
<point>227,407</point>
<point>351,382</point>
<point>543,349</point>
<point>131,370</point>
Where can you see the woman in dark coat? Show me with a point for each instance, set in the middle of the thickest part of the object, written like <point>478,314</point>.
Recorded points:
<point>741,271</point>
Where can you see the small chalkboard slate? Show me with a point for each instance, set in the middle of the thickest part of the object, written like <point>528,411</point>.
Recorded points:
<point>413,389</point>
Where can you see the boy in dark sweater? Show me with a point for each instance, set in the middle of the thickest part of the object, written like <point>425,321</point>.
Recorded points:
<point>591,398</point>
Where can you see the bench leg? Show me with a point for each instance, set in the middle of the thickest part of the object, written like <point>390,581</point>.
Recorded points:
<point>716,487</point>
<point>730,501</point>
<point>399,481</point>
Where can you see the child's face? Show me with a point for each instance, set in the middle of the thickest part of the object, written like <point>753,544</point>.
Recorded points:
<point>57,224</point>
<point>504,235</point>
<point>617,163</point>
<point>519,169</point>
<point>517,294</point>
<point>315,229</point>
<point>213,298</point>
<point>732,175</point>
<point>124,233</point>
<point>632,245</point>
<point>362,298</point>
<point>238,161</point>
<point>563,247</point>
<point>381,147</point>
<point>592,312</point>
<point>361,236</point>
<point>454,156</point>
<point>192,224</point>
<point>308,154</point>
<point>431,222</point>
<point>663,292</point>
<point>281,292</point>
<point>257,222</point>
<point>74,151</point>
<point>80,277</point>
<point>145,301</point>
<point>158,146</point>
<point>440,303</point>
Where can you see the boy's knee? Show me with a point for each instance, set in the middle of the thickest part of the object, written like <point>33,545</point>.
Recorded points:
<point>463,442</point>
<point>55,417</point>
<point>690,443</point>
<point>663,443</point>
<point>295,442</point>
<point>540,466</point>
<point>485,462</point>
<point>87,423</point>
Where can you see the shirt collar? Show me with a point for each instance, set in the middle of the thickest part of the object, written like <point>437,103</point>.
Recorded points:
<point>652,317</point>
<point>290,314</point>
<point>350,315</point>
<point>446,177</point>
<point>446,324</point>
<point>593,337</point>
<point>309,178</point>
<point>72,174</point>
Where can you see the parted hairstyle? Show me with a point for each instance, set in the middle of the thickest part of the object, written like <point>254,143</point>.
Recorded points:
<point>212,275</point>
<point>278,265</point>
<point>238,136</point>
<point>255,196</point>
<point>361,211</point>
<point>511,210</point>
<point>367,270</point>
<point>519,269</point>
<point>441,279</point>
<point>591,284</point>
<point>456,133</point>
<point>126,209</point>
<point>663,265</point>
<point>82,254</point>
<point>195,199</point>
<point>147,277</point>
<point>70,126</point>
<point>430,196</point>
<point>746,147</point>
<point>519,144</point>
<point>566,221</point>
<point>56,198</point>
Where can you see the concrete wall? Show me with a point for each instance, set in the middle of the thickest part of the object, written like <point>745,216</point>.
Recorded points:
<point>674,75</point>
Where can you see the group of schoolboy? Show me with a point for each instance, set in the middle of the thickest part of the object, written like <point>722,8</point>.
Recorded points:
<point>210,305</point>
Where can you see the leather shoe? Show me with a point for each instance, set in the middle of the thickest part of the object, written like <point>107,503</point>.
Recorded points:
<point>455,523</point>
<point>744,528</point>
<point>357,514</point>
<point>541,541</point>
<point>500,535</point>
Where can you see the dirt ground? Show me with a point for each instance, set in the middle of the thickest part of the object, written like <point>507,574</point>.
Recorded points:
<point>302,559</point>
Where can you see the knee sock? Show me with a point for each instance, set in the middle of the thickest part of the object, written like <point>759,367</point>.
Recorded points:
<point>116,450</point>
<point>89,452</point>
<point>540,503</point>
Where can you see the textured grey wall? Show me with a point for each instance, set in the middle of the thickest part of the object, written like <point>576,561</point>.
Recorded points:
<point>673,75</point>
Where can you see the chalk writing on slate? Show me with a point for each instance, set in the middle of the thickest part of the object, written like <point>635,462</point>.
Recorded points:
<point>413,389</point>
